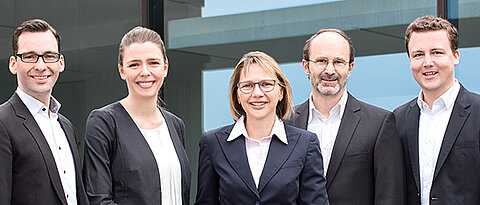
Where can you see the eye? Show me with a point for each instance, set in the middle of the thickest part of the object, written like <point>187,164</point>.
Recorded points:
<point>50,56</point>
<point>133,65</point>
<point>321,61</point>
<point>155,63</point>
<point>246,85</point>
<point>416,55</point>
<point>437,52</point>
<point>266,84</point>
<point>29,56</point>
<point>339,62</point>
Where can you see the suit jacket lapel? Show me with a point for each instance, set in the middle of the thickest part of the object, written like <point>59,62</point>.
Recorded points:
<point>412,140</point>
<point>300,119</point>
<point>458,117</point>
<point>32,126</point>
<point>236,155</point>
<point>345,133</point>
<point>278,154</point>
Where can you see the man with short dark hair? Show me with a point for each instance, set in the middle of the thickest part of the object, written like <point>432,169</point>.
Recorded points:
<point>440,128</point>
<point>39,160</point>
<point>362,152</point>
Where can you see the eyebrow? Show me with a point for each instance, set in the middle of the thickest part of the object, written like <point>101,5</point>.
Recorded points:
<point>41,53</point>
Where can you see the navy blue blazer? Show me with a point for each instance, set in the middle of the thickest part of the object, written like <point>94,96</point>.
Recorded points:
<point>119,165</point>
<point>456,178</point>
<point>293,172</point>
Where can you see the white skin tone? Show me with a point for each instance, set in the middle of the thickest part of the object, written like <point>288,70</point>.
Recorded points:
<point>37,79</point>
<point>144,71</point>
<point>432,62</point>
<point>328,85</point>
<point>259,106</point>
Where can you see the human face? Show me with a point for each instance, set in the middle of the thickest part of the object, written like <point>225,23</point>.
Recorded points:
<point>432,61</point>
<point>329,81</point>
<point>259,105</point>
<point>143,69</point>
<point>37,79</point>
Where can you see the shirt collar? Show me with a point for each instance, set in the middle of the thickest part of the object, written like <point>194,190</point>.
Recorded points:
<point>34,105</point>
<point>277,130</point>
<point>339,106</point>
<point>447,99</point>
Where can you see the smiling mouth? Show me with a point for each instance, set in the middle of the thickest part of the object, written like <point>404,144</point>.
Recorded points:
<point>146,84</point>
<point>430,73</point>
<point>40,77</point>
<point>258,103</point>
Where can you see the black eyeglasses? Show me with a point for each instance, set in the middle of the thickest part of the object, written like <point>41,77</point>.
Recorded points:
<point>322,63</point>
<point>33,57</point>
<point>249,86</point>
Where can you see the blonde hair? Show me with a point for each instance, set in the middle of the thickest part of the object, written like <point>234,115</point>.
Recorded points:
<point>284,107</point>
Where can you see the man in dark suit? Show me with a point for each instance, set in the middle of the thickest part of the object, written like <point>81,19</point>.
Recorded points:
<point>361,150</point>
<point>440,128</point>
<point>39,161</point>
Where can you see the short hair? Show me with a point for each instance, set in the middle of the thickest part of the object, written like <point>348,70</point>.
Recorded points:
<point>284,107</point>
<point>33,25</point>
<point>306,47</point>
<point>432,23</point>
<point>140,35</point>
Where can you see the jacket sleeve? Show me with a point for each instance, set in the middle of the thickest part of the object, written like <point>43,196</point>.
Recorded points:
<point>208,179</point>
<point>389,171</point>
<point>6,159</point>
<point>99,146</point>
<point>312,181</point>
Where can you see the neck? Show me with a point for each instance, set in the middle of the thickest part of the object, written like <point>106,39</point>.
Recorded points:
<point>325,103</point>
<point>258,129</point>
<point>430,96</point>
<point>140,106</point>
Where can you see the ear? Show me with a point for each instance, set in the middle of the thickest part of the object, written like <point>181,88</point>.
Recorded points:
<point>62,63</point>
<point>165,69</point>
<point>305,67</point>
<point>350,69</point>
<point>12,65</point>
<point>456,55</point>
<point>121,71</point>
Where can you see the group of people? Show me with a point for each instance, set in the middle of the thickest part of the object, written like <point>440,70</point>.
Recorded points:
<point>331,149</point>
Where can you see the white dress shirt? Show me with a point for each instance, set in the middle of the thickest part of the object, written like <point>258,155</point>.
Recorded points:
<point>326,128</point>
<point>257,150</point>
<point>170,173</point>
<point>57,141</point>
<point>431,129</point>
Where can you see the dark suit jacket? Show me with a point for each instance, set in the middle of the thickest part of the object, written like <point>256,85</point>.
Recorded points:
<point>292,174</point>
<point>28,173</point>
<point>366,166</point>
<point>119,166</point>
<point>456,178</point>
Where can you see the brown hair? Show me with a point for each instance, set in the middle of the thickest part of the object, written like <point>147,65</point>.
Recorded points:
<point>33,25</point>
<point>284,106</point>
<point>306,47</point>
<point>432,23</point>
<point>140,35</point>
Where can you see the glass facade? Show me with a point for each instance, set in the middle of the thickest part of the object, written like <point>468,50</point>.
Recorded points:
<point>206,38</point>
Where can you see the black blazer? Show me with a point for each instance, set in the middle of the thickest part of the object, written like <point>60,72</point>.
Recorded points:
<point>366,166</point>
<point>28,173</point>
<point>119,166</point>
<point>456,178</point>
<point>293,173</point>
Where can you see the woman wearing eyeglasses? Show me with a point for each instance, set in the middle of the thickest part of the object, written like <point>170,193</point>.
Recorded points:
<point>134,150</point>
<point>259,159</point>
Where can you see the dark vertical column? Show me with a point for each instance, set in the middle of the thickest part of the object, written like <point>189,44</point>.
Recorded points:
<point>448,9</point>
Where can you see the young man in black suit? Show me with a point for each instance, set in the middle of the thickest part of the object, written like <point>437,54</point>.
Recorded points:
<point>440,128</point>
<point>361,150</point>
<point>39,161</point>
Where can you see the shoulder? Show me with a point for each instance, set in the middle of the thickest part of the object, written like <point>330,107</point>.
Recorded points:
<point>371,111</point>
<point>224,131</point>
<point>301,107</point>
<point>403,109</point>
<point>170,116</point>
<point>6,110</point>
<point>291,130</point>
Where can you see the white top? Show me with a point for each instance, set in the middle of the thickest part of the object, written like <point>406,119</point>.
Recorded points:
<point>326,128</point>
<point>161,144</point>
<point>431,129</point>
<point>57,141</point>
<point>257,150</point>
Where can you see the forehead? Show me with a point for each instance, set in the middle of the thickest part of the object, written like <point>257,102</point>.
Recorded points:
<point>37,42</point>
<point>436,38</point>
<point>329,44</point>
<point>255,71</point>
<point>142,50</point>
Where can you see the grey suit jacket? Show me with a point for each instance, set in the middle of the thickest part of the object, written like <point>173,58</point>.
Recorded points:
<point>366,165</point>
<point>28,173</point>
<point>456,178</point>
<point>119,166</point>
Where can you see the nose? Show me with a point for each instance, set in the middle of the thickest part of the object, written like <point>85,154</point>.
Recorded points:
<point>329,69</point>
<point>40,65</point>
<point>145,71</point>
<point>428,61</point>
<point>257,91</point>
